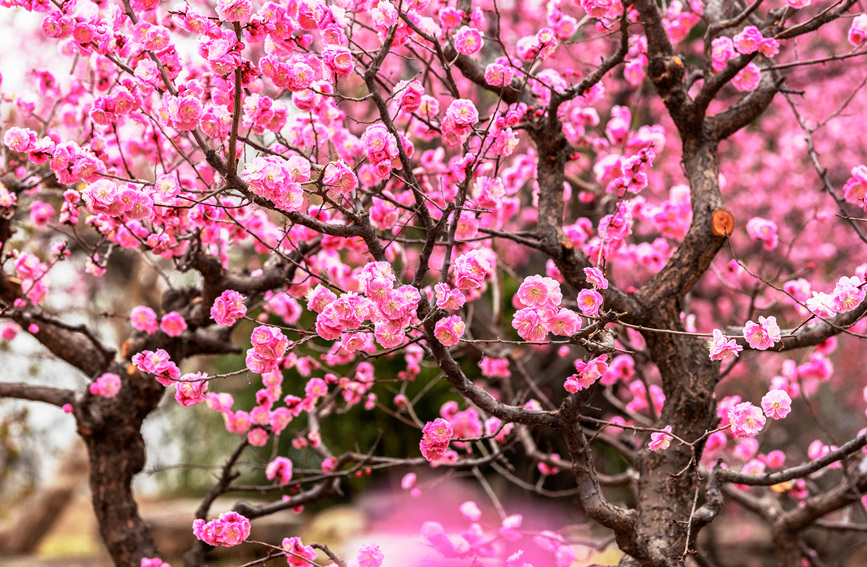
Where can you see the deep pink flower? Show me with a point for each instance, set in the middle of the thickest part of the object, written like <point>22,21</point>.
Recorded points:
<point>228,308</point>
<point>173,324</point>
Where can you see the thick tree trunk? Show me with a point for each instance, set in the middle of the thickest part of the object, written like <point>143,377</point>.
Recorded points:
<point>111,430</point>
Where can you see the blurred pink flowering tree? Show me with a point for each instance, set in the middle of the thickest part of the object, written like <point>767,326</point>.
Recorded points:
<point>669,197</point>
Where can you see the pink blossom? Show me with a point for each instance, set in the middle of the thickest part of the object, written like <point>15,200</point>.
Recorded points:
<point>107,385</point>
<point>720,348</point>
<point>822,305</point>
<point>498,75</point>
<point>228,308</point>
<point>596,278</point>
<point>470,270</point>
<point>748,78</point>
<point>228,530</point>
<point>746,420</point>
<point>190,389</point>
<point>468,40</point>
<point>564,323</point>
<point>589,301</point>
<point>436,436</point>
<point>848,294</point>
<point>494,367</point>
<point>368,556</point>
<point>858,31</point>
<point>408,95</point>
<point>797,4</point>
<point>530,325</point>
<point>470,511</point>
<point>173,324</point>
<point>538,291</point>
<point>297,554</point>
<point>660,441</point>
<point>153,562</point>
<point>449,330</point>
<point>748,40</point>
<point>19,139</point>
<point>588,373</point>
<point>448,298</point>
<point>722,49</point>
<point>234,10</point>
<point>143,319</point>
<point>279,469</point>
<point>855,188</point>
<point>763,335</point>
<point>777,404</point>
<point>764,230</point>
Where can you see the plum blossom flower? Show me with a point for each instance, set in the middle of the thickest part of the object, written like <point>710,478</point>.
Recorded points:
<point>436,436</point>
<point>589,301</point>
<point>173,324</point>
<point>228,308</point>
<point>763,335</point>
<point>279,469</point>
<point>588,373</point>
<point>449,330</point>
<point>777,404</point>
<point>143,319</point>
<point>468,40</point>
<point>368,556</point>
<point>596,278</point>
<point>660,441</point>
<point>848,294</point>
<point>228,530</point>
<point>190,389</point>
<point>822,305</point>
<point>530,325</point>
<point>107,385</point>
<point>747,420</point>
<point>721,348</point>
<point>470,270</point>
<point>748,78</point>
<point>297,554</point>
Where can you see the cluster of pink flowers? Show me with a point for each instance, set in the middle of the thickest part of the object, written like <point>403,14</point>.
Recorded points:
<point>436,436</point>
<point>104,197</point>
<point>764,230</point>
<point>159,364</point>
<point>746,420</point>
<point>539,300</point>
<point>269,347</point>
<point>153,562</point>
<point>470,269</point>
<point>763,335</point>
<point>228,530</point>
<point>381,149</point>
<point>587,373</point>
<point>228,308</point>
<point>107,385</point>
<point>190,389</point>
<point>458,123</point>
<point>271,177</point>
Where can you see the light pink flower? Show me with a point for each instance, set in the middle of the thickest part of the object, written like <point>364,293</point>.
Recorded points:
<point>777,404</point>
<point>588,373</point>
<point>748,78</point>
<point>529,324</point>
<point>190,389</point>
<point>822,305</point>
<point>660,441</point>
<point>721,348</point>
<point>470,270</point>
<point>746,420</point>
<point>848,294</point>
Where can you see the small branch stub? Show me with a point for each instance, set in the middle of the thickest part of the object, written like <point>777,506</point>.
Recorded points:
<point>723,223</point>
